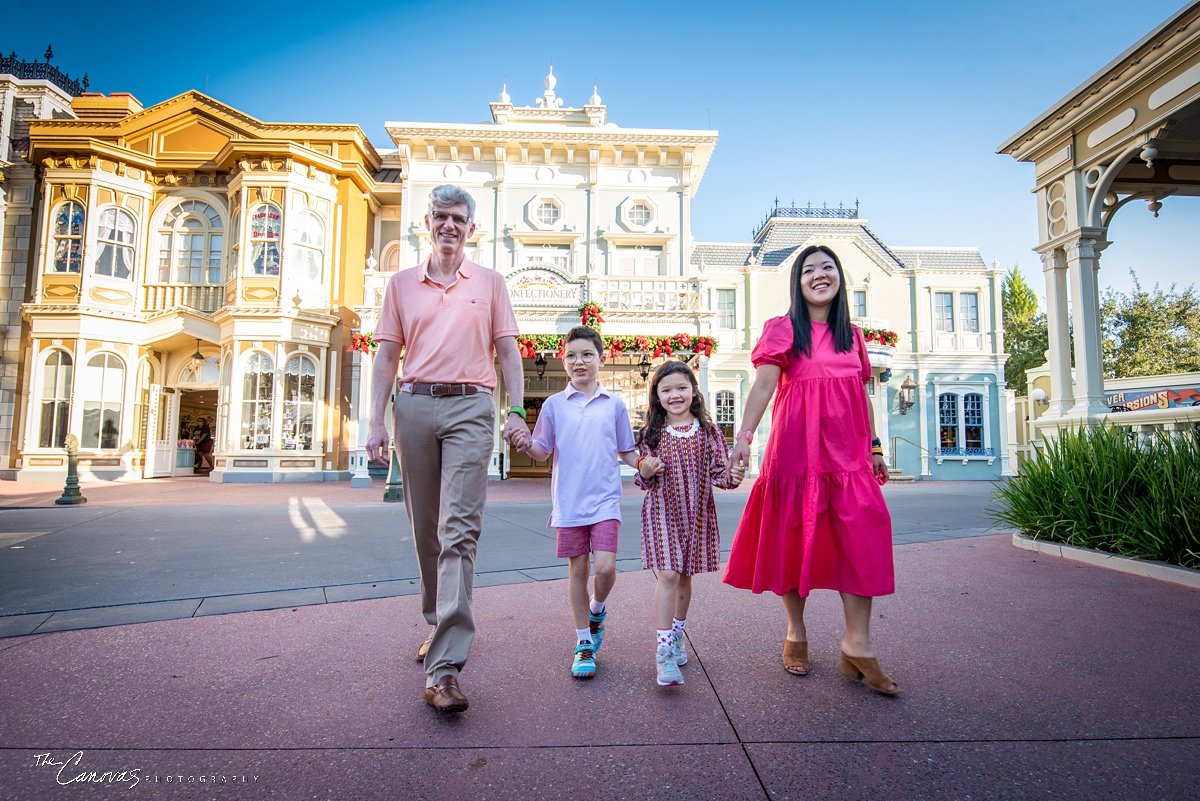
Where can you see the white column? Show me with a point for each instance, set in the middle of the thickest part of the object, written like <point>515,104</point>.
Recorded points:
<point>1082,263</point>
<point>923,419</point>
<point>1062,393</point>
<point>360,393</point>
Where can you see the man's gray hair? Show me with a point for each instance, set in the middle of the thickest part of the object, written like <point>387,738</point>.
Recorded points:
<point>447,195</point>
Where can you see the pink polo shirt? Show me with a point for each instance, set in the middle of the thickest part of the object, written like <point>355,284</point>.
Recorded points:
<point>447,332</point>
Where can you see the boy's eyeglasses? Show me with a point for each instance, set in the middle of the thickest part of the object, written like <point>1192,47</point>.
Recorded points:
<point>586,357</point>
<point>441,217</point>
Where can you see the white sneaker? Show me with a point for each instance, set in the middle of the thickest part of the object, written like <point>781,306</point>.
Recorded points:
<point>668,669</point>
<point>680,649</point>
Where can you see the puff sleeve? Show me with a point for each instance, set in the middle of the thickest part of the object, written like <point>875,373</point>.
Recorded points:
<point>860,346</point>
<point>775,344</point>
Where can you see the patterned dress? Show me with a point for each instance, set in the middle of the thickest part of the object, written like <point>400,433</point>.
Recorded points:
<point>679,517</point>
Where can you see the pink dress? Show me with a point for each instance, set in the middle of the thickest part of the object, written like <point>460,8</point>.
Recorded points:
<point>815,518</point>
<point>679,516</point>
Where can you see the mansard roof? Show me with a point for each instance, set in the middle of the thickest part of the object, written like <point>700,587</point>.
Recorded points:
<point>951,259</point>
<point>723,254</point>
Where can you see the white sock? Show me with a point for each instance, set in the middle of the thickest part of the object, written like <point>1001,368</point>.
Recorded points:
<point>583,635</point>
<point>678,625</point>
<point>666,638</point>
<point>596,607</point>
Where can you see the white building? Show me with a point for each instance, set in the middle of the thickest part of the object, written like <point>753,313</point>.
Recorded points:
<point>571,208</point>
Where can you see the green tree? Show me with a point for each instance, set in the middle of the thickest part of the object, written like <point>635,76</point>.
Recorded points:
<point>1026,337</point>
<point>1150,333</point>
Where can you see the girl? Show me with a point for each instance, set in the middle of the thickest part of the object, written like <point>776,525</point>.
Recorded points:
<point>682,456</point>
<point>816,518</point>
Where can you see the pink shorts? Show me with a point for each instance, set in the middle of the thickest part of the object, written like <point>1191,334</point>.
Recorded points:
<point>578,540</point>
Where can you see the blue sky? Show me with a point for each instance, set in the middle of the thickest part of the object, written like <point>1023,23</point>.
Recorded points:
<point>899,105</point>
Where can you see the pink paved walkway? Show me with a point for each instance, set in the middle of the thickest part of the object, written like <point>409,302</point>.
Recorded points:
<point>199,490</point>
<point>1023,677</point>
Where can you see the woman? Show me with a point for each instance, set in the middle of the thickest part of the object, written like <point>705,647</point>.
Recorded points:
<point>203,443</point>
<point>816,518</point>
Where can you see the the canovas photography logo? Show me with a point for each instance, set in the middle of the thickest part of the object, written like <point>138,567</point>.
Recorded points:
<point>71,770</point>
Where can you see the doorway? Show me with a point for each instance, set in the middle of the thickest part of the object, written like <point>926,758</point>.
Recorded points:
<point>197,432</point>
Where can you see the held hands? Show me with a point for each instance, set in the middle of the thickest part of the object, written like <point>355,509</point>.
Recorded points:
<point>739,460</point>
<point>651,467</point>
<point>516,433</point>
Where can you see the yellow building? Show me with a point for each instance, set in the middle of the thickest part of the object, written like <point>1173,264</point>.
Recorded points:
<point>190,261</point>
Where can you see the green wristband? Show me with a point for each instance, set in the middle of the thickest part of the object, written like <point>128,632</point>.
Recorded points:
<point>517,410</point>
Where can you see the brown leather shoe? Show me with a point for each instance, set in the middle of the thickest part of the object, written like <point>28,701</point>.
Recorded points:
<point>446,696</point>
<point>424,649</point>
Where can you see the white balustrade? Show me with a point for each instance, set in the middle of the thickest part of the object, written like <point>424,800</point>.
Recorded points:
<point>648,293</point>
<point>164,297</point>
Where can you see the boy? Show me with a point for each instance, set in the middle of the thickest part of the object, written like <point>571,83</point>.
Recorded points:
<point>585,426</point>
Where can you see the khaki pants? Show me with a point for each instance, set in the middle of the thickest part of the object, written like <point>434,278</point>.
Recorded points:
<point>445,446</point>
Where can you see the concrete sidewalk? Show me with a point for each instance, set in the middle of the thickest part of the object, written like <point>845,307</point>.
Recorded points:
<point>1023,677</point>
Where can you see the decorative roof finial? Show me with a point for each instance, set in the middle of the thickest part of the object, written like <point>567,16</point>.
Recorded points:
<point>548,100</point>
<point>504,98</point>
<point>49,54</point>
<point>594,100</point>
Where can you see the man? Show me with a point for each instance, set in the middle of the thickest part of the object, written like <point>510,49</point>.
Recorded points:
<point>452,318</point>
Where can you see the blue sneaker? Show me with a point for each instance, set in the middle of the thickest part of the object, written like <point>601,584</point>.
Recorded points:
<point>584,666</point>
<point>680,649</point>
<point>668,670</point>
<point>596,624</point>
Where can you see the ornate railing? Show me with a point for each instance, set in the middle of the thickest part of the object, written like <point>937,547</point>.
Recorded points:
<point>823,212</point>
<point>165,297</point>
<point>42,71</point>
<point>950,453</point>
<point>635,293</point>
<point>1145,424</point>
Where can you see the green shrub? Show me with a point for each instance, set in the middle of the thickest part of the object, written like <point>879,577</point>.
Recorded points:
<point>1102,489</point>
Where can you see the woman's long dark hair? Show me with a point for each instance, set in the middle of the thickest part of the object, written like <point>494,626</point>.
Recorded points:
<point>839,310</point>
<point>656,414</point>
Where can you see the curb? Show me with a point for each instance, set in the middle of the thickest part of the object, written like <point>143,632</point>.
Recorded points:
<point>1160,571</point>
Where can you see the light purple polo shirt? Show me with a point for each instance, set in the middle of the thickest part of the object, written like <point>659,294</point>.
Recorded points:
<point>585,435</point>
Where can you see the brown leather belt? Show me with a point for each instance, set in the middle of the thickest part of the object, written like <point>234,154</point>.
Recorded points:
<point>440,389</point>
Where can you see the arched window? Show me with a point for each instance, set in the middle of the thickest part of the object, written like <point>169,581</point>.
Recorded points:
<point>726,413</point>
<point>391,259</point>
<point>207,372</point>
<point>116,244</point>
<point>102,388</point>
<point>68,237</point>
<point>190,242</point>
<point>310,246</point>
<point>299,403</point>
<point>948,423</point>
<point>235,247</point>
<point>56,400</point>
<point>962,425</point>
<point>973,424</point>
<point>266,225</point>
<point>258,393</point>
